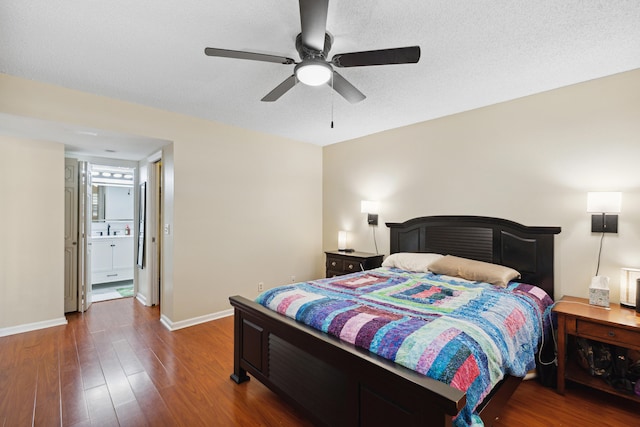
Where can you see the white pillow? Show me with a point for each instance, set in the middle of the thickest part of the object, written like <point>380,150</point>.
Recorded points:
<point>418,262</point>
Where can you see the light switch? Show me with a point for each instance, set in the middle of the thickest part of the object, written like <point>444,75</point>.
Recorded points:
<point>167,228</point>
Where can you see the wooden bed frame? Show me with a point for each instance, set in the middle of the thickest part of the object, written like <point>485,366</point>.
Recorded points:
<point>337,384</point>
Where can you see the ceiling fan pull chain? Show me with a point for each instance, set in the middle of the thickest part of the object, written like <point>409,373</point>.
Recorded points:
<point>331,100</point>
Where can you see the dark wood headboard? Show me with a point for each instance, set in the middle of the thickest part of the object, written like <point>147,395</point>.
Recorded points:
<point>526,249</point>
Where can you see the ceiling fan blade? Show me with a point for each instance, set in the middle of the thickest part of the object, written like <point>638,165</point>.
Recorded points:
<point>225,53</point>
<point>313,19</point>
<point>346,89</point>
<point>281,89</point>
<point>400,55</point>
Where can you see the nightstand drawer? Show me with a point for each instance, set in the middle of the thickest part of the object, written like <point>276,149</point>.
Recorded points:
<point>344,266</point>
<point>351,266</point>
<point>334,264</point>
<point>606,333</point>
<point>339,263</point>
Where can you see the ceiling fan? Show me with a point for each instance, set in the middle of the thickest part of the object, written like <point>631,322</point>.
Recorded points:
<point>313,44</point>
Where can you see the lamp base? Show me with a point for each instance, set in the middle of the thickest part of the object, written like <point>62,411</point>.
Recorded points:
<point>604,223</point>
<point>346,250</point>
<point>627,305</point>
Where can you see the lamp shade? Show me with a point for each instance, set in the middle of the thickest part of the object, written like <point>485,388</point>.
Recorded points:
<point>342,240</point>
<point>628,278</point>
<point>604,201</point>
<point>368,206</point>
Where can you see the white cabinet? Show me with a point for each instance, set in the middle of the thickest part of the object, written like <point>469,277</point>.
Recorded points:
<point>111,259</point>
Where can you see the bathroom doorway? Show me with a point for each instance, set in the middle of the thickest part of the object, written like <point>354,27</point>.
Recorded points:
<point>112,225</point>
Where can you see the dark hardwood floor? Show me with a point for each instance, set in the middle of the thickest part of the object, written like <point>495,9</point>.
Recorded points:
<point>117,365</point>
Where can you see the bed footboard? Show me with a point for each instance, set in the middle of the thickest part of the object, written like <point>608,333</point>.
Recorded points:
<point>332,382</point>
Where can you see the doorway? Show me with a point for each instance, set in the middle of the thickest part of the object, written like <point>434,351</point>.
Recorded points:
<point>112,225</point>
<point>94,263</point>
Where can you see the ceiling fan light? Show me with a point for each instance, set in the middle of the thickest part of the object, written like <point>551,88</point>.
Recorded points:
<point>313,72</point>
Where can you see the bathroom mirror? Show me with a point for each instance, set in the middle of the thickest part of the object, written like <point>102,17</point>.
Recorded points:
<point>111,203</point>
<point>112,193</point>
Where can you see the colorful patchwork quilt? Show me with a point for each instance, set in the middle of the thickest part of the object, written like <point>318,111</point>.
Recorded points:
<point>468,335</point>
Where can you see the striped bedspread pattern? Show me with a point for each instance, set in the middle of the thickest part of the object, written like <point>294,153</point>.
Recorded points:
<point>465,334</point>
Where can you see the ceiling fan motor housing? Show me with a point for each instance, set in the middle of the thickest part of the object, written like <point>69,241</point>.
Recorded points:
<point>309,53</point>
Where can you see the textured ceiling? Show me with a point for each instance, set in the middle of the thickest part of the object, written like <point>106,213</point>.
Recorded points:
<point>474,53</point>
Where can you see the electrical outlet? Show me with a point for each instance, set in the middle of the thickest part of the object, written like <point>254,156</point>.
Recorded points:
<point>261,286</point>
<point>293,279</point>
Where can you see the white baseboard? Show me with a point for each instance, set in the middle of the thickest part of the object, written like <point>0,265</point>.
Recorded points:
<point>142,299</point>
<point>28,327</point>
<point>174,326</point>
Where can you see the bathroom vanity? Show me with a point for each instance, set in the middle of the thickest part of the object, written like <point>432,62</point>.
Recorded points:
<point>111,258</point>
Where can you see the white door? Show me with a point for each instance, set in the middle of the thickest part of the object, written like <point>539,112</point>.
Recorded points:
<point>70,235</point>
<point>84,222</point>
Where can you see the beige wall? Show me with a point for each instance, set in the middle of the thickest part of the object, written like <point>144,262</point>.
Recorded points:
<point>262,221</point>
<point>246,207</point>
<point>243,207</point>
<point>531,160</point>
<point>32,232</point>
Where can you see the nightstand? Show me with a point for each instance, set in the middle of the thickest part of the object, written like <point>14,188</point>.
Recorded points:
<point>339,262</point>
<point>617,325</point>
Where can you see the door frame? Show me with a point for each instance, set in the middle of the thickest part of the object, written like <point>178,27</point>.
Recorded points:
<point>155,228</point>
<point>81,272</point>
<point>85,296</point>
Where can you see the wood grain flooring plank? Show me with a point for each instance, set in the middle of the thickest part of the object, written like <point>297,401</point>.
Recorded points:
<point>127,357</point>
<point>115,378</point>
<point>9,346</point>
<point>90,368</point>
<point>81,333</point>
<point>74,405</point>
<point>105,422</point>
<point>48,409</point>
<point>156,371</point>
<point>6,381</point>
<point>187,407</point>
<point>20,401</point>
<point>9,369</point>
<point>100,405</point>
<point>134,340</point>
<point>130,415</point>
<point>16,410</point>
<point>150,401</point>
